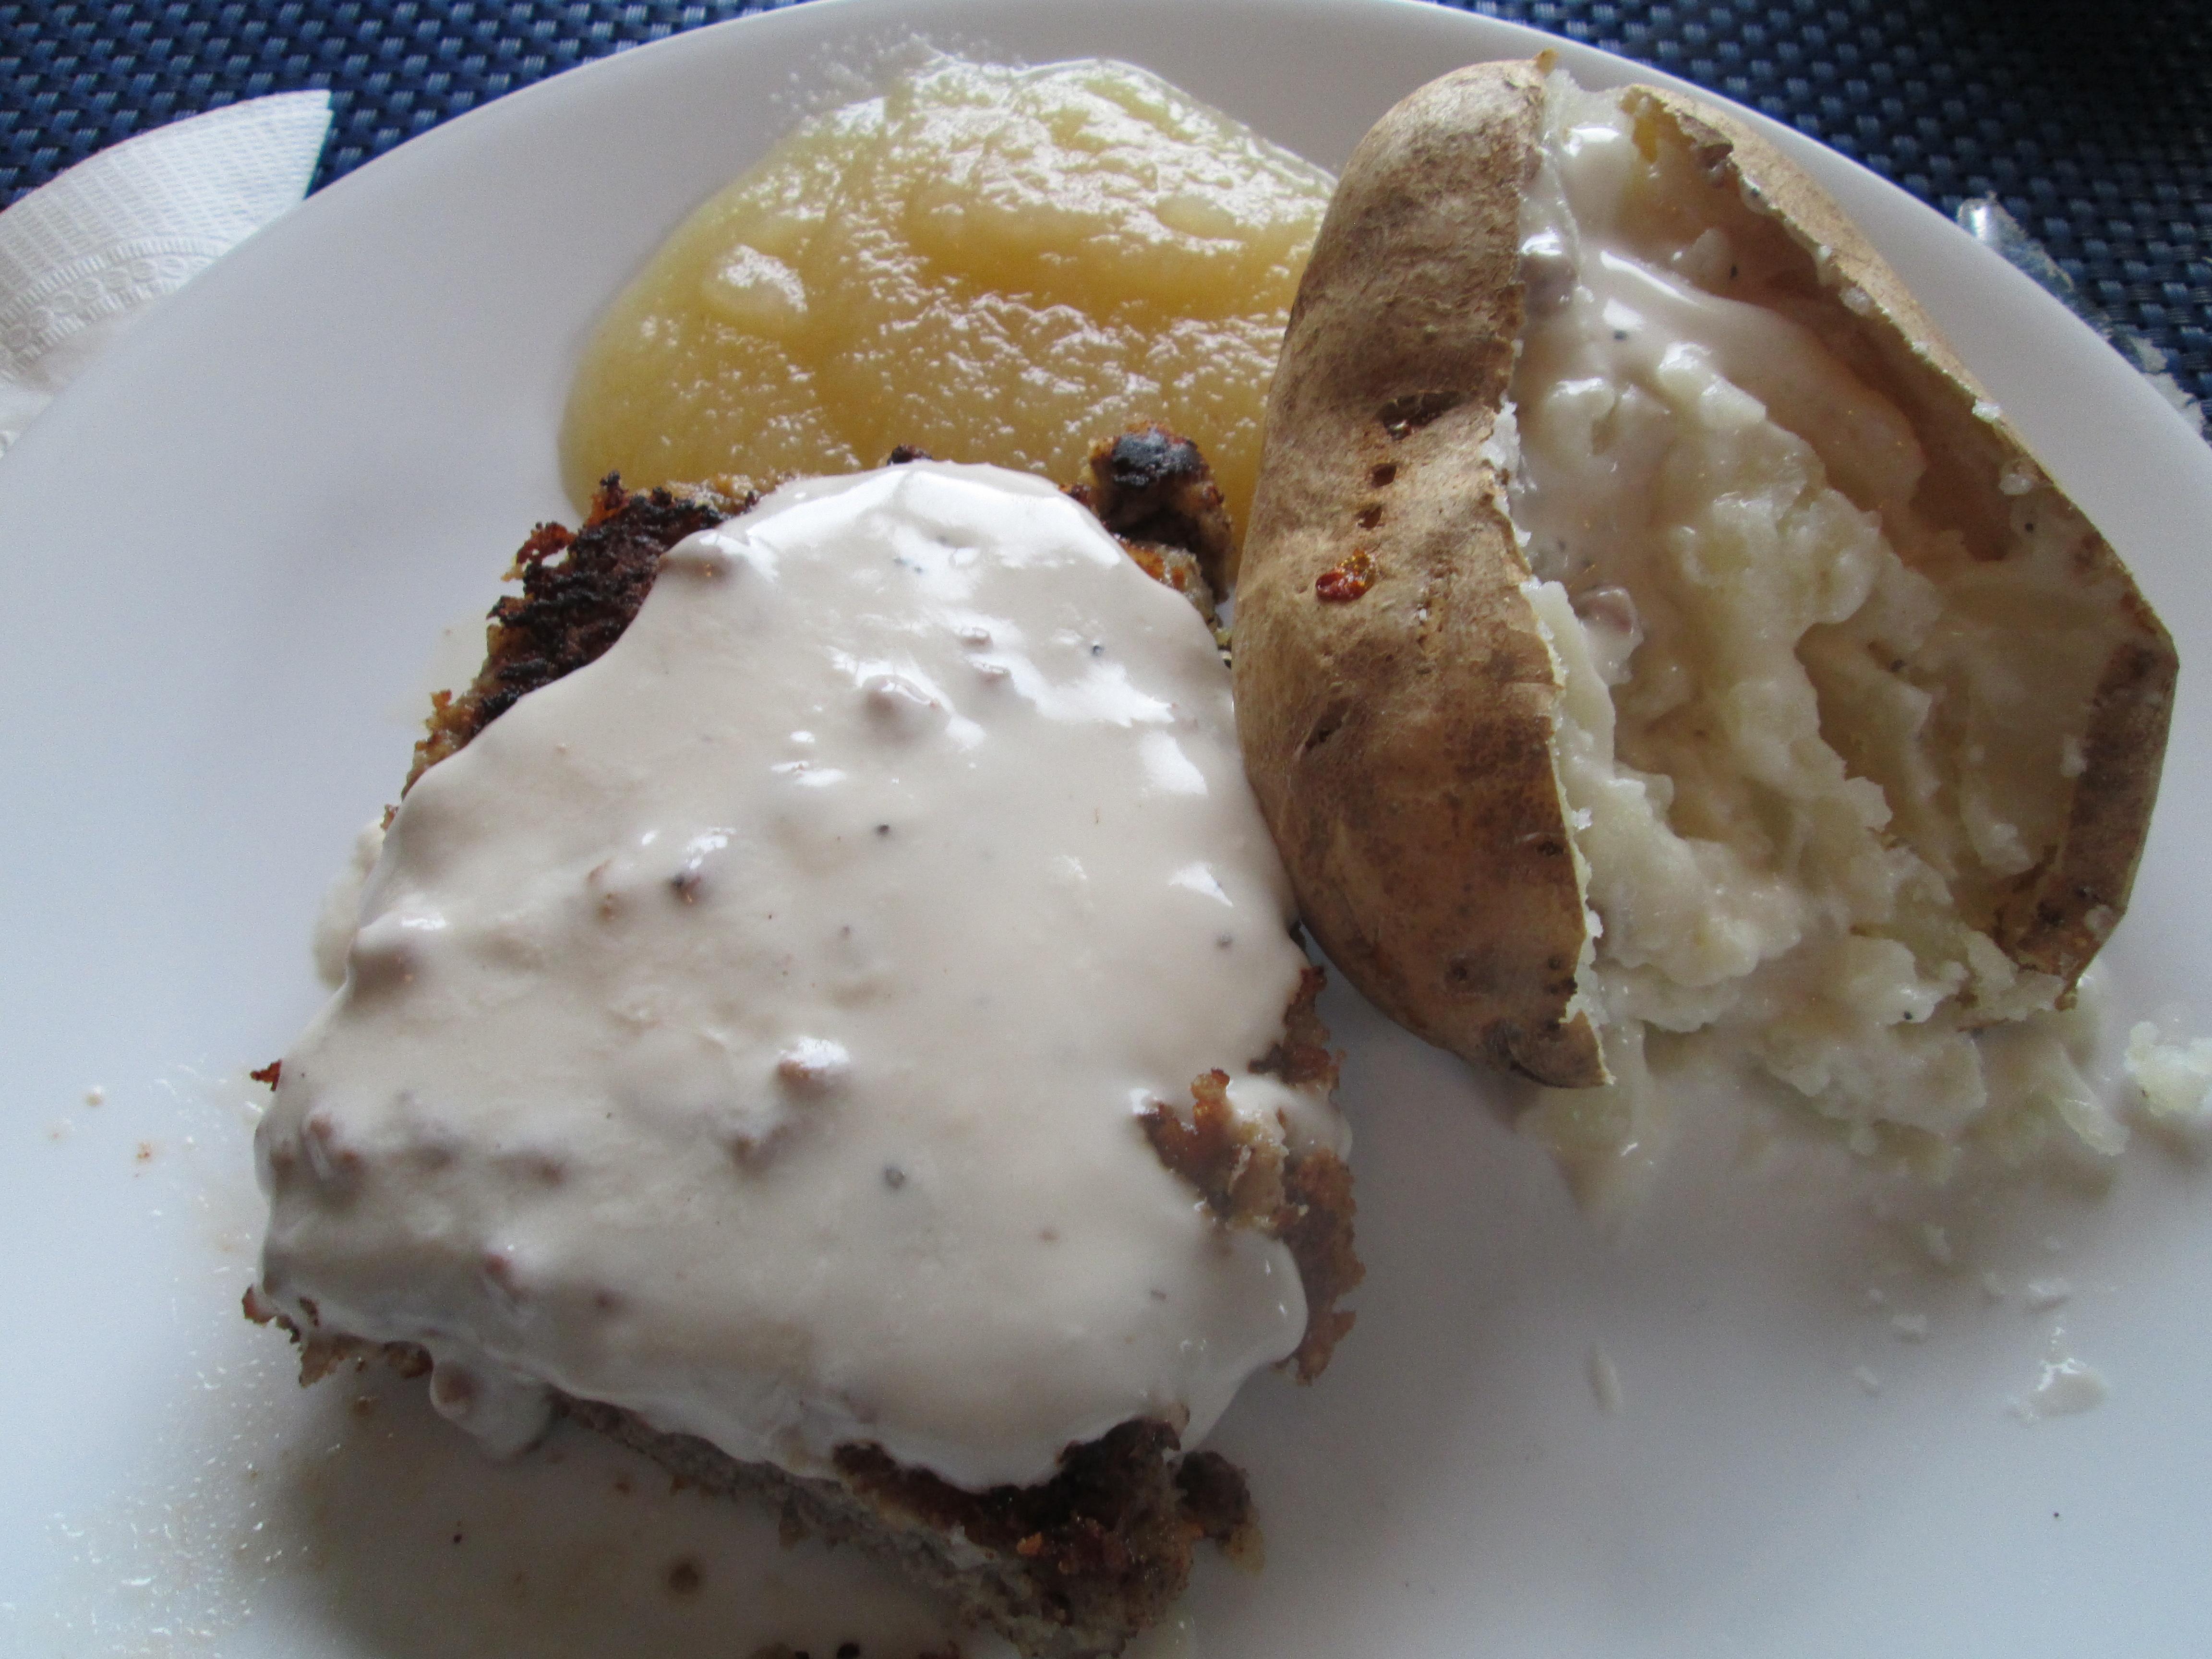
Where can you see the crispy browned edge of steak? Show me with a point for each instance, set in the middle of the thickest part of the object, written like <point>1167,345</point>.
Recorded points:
<point>1077,1565</point>
<point>1153,490</point>
<point>1304,1199</point>
<point>579,590</point>
<point>1066,1569</point>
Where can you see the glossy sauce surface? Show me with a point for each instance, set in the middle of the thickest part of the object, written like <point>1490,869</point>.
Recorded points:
<point>749,1029</point>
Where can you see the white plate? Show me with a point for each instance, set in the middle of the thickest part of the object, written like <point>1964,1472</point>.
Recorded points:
<point>229,553</point>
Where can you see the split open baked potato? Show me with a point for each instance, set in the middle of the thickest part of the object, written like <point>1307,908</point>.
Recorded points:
<point>1648,624</point>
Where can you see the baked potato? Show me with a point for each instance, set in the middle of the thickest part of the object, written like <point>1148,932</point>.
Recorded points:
<point>1648,624</point>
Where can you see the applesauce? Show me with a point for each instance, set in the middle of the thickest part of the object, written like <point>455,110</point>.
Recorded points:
<point>986,262</point>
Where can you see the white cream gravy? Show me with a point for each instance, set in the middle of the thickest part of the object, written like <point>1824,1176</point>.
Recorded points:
<point>749,1029</point>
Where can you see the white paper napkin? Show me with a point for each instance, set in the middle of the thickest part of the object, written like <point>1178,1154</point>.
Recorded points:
<point>82,256</point>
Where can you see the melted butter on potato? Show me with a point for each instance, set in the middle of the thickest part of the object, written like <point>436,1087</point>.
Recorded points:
<point>1808,731</point>
<point>990,264</point>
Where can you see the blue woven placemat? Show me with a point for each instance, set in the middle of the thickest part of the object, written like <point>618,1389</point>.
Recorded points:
<point>2093,125</point>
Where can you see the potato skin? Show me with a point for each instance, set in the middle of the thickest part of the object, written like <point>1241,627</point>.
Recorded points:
<point>1395,693</point>
<point>1399,737</point>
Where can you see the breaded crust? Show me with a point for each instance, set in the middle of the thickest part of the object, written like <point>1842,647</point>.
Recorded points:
<point>1150,486</point>
<point>1303,1200</point>
<point>1066,1569</point>
<point>1394,694</point>
<point>580,589</point>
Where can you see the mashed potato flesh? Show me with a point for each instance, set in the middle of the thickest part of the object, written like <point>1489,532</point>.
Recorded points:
<point>1804,738</point>
<point>991,263</point>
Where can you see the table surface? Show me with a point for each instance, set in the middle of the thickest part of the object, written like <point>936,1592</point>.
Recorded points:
<point>2092,124</point>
